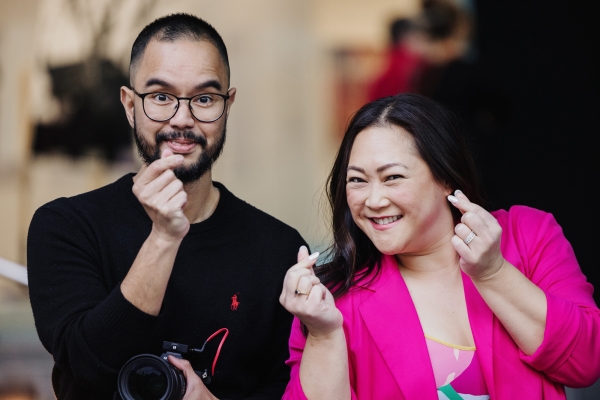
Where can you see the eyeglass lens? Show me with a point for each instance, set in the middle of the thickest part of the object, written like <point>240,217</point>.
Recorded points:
<point>163,106</point>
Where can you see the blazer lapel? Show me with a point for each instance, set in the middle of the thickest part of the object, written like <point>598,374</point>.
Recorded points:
<point>481,319</point>
<point>394,325</point>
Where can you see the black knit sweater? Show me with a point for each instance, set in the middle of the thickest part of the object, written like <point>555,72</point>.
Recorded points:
<point>79,250</point>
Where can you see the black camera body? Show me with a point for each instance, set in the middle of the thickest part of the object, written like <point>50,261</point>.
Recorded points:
<point>149,377</point>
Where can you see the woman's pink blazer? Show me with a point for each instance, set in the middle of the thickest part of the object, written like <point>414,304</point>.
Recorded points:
<point>387,354</point>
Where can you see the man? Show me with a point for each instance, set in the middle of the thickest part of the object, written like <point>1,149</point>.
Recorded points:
<point>165,254</point>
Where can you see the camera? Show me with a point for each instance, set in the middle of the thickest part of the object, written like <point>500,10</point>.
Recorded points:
<point>149,377</point>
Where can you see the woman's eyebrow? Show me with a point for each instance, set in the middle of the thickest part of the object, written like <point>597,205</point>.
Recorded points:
<point>386,166</point>
<point>382,168</point>
<point>350,167</point>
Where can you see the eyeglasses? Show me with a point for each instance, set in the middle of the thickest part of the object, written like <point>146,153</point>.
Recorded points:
<point>161,107</point>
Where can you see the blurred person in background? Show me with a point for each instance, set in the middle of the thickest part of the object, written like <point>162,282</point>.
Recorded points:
<point>428,295</point>
<point>166,254</point>
<point>421,47</point>
<point>18,391</point>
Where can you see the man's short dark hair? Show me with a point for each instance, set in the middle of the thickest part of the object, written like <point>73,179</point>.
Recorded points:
<point>174,27</point>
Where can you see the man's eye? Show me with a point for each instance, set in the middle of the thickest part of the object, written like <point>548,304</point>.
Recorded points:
<point>204,100</point>
<point>161,97</point>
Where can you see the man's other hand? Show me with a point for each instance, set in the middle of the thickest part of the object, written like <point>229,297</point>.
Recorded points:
<point>195,389</point>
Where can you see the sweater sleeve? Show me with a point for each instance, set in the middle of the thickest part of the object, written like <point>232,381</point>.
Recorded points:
<point>90,329</point>
<point>570,351</point>
<point>294,389</point>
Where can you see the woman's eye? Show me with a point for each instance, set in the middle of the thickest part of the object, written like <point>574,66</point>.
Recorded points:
<point>393,177</point>
<point>355,180</point>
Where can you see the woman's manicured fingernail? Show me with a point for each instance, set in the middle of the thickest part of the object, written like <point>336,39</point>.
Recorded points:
<point>302,248</point>
<point>452,199</point>
<point>457,192</point>
<point>313,256</point>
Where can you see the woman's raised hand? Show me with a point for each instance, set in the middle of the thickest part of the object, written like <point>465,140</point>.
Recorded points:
<point>304,296</point>
<point>476,239</point>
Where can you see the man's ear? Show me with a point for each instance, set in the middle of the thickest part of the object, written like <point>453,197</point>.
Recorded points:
<point>231,94</point>
<point>127,99</point>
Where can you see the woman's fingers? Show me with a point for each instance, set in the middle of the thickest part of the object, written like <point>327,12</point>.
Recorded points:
<point>477,238</point>
<point>296,272</point>
<point>305,285</point>
<point>302,253</point>
<point>460,201</point>
<point>319,313</point>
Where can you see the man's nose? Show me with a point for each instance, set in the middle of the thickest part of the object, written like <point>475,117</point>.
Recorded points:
<point>183,117</point>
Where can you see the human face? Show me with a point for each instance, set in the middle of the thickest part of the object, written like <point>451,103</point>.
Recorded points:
<point>184,68</point>
<point>392,195</point>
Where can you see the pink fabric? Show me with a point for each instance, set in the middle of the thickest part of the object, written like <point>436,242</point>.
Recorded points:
<point>471,381</point>
<point>387,352</point>
<point>447,362</point>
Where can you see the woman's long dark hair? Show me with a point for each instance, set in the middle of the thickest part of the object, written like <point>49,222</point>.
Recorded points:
<point>439,142</point>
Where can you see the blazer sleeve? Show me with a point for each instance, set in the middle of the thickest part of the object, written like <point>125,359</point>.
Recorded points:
<point>570,351</point>
<point>297,342</point>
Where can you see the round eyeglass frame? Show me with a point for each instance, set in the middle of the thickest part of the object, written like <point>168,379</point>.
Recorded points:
<point>189,99</point>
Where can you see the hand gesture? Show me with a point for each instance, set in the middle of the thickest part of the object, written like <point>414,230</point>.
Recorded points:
<point>195,388</point>
<point>304,296</point>
<point>477,239</point>
<point>162,196</point>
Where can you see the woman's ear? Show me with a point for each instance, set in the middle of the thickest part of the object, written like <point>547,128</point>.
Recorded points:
<point>448,189</point>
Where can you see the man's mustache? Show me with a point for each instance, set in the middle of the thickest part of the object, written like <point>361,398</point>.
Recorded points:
<point>189,135</point>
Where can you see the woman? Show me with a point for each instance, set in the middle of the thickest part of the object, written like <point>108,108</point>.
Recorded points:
<point>434,296</point>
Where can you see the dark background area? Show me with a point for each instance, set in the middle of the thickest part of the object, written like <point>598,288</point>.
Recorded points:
<point>530,100</point>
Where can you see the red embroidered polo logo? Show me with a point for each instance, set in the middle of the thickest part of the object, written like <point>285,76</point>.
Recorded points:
<point>234,302</point>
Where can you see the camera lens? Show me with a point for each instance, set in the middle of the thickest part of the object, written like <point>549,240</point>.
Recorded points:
<point>148,377</point>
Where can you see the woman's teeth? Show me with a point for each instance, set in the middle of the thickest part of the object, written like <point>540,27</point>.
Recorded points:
<point>387,220</point>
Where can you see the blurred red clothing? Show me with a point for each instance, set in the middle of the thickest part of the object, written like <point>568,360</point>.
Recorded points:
<point>401,74</point>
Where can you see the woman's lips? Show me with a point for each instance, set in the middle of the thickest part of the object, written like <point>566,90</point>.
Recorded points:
<point>385,222</point>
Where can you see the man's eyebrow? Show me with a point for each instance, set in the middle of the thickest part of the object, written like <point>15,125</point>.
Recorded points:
<point>159,82</point>
<point>209,84</point>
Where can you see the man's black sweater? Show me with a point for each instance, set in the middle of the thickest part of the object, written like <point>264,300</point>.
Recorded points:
<point>228,273</point>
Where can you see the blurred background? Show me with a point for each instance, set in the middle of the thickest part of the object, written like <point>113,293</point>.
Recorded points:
<point>522,76</point>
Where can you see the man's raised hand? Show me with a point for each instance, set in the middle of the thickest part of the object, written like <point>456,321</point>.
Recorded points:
<point>162,196</point>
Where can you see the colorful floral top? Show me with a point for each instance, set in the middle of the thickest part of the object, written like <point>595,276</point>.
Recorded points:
<point>457,371</point>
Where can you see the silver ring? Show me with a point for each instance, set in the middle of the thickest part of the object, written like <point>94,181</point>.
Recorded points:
<point>299,292</point>
<point>470,238</point>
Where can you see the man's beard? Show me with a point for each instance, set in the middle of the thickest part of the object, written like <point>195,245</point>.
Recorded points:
<point>186,174</point>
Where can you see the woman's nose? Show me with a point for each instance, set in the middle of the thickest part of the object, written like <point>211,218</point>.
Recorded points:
<point>377,197</point>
